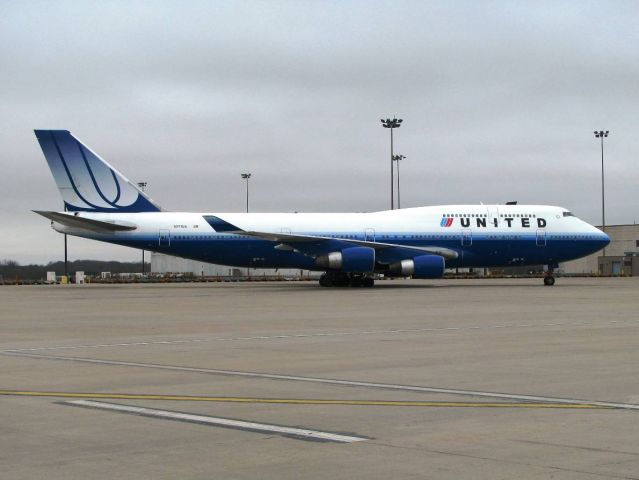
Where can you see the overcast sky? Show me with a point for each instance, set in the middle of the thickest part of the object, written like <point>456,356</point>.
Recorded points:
<point>499,101</point>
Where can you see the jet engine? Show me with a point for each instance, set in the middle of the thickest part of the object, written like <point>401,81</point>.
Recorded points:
<point>424,266</point>
<point>351,260</point>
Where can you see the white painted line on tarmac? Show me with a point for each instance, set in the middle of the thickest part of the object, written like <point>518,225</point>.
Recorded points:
<point>330,381</point>
<point>437,330</point>
<point>301,433</point>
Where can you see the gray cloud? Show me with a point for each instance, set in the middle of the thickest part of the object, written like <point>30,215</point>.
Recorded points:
<point>499,101</point>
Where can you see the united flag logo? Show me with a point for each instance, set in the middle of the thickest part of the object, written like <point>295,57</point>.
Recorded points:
<point>446,222</point>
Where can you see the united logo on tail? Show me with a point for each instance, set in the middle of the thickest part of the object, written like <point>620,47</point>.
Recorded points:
<point>86,182</point>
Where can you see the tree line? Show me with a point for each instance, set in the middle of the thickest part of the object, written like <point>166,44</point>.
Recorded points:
<point>10,269</point>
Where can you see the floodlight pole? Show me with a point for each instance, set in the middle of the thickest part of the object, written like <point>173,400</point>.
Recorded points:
<point>142,186</point>
<point>398,158</point>
<point>246,177</point>
<point>66,269</point>
<point>601,134</point>
<point>392,124</point>
<point>392,172</point>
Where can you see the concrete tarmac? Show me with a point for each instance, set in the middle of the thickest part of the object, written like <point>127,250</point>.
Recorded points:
<point>449,379</point>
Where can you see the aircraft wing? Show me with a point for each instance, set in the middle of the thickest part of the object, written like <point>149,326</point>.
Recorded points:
<point>315,245</point>
<point>298,242</point>
<point>74,221</point>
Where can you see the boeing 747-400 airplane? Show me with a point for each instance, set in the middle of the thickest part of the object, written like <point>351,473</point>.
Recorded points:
<point>351,248</point>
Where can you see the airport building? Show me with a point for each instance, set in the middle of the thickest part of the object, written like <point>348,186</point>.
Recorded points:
<point>622,255</point>
<point>167,264</point>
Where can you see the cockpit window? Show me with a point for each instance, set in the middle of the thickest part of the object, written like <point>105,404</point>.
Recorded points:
<point>568,214</point>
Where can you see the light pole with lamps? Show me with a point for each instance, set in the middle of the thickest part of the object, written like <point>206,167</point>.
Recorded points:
<point>601,134</point>
<point>398,158</point>
<point>142,186</point>
<point>66,265</point>
<point>392,124</point>
<point>246,177</point>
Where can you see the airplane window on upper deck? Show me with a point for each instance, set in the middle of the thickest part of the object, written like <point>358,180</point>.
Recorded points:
<point>568,214</point>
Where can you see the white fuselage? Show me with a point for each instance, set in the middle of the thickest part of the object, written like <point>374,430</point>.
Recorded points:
<point>484,235</point>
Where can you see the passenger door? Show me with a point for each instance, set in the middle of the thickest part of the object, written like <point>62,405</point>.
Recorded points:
<point>369,235</point>
<point>541,238</point>
<point>493,217</point>
<point>164,238</point>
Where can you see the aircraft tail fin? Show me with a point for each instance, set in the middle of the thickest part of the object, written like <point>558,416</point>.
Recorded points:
<point>86,182</point>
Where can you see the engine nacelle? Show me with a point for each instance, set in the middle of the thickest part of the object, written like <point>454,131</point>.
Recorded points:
<point>351,260</point>
<point>424,266</point>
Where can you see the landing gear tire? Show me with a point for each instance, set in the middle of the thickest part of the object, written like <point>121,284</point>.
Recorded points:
<point>549,279</point>
<point>325,280</point>
<point>334,279</point>
<point>340,279</point>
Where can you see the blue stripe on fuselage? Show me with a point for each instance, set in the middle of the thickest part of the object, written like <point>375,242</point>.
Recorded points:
<point>487,250</point>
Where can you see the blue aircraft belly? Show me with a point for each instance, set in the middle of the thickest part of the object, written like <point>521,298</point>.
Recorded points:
<point>484,252</point>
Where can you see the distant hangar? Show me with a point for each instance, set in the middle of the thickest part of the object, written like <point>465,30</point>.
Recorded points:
<point>622,255</point>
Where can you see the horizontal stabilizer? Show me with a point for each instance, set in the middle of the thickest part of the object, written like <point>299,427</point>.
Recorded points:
<point>75,221</point>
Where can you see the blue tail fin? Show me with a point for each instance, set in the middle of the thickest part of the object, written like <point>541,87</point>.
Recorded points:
<point>86,182</point>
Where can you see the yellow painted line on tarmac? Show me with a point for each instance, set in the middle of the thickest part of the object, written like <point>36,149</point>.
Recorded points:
<point>300,401</point>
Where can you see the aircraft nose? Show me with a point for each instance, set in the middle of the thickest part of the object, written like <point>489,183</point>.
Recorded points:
<point>600,240</point>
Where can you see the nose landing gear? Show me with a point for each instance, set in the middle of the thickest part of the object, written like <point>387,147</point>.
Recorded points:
<point>341,279</point>
<point>549,279</point>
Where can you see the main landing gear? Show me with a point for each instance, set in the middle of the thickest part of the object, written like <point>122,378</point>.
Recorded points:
<point>341,279</point>
<point>549,279</point>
